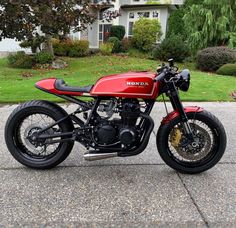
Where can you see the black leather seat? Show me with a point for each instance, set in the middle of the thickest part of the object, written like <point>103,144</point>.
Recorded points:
<point>62,86</point>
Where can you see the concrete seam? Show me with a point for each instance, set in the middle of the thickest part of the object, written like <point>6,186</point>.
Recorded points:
<point>104,165</point>
<point>227,163</point>
<point>84,166</point>
<point>194,202</point>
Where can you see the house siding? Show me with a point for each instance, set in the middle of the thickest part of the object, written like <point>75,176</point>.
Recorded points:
<point>124,21</point>
<point>164,14</point>
<point>93,31</point>
<point>10,46</point>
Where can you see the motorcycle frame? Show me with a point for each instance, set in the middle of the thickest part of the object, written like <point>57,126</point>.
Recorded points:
<point>169,89</point>
<point>84,107</point>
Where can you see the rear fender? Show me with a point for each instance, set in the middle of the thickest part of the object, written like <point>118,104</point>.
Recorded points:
<point>175,114</point>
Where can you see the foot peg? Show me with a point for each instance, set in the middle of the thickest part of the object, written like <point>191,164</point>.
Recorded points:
<point>94,156</point>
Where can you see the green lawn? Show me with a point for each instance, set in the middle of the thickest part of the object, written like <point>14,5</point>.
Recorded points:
<point>14,87</point>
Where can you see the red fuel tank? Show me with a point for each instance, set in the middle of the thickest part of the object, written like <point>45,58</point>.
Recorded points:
<point>128,85</point>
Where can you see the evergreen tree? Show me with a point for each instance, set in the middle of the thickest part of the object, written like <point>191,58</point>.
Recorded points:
<point>176,24</point>
<point>211,23</point>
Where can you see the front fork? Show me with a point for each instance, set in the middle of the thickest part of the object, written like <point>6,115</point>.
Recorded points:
<point>177,105</point>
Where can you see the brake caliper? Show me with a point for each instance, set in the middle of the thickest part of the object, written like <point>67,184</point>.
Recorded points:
<point>175,137</point>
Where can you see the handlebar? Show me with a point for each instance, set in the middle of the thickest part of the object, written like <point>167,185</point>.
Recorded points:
<point>166,70</point>
<point>161,76</point>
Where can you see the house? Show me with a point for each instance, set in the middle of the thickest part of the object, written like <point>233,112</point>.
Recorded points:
<point>130,11</point>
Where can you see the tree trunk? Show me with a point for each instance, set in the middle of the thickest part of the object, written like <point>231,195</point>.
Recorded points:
<point>47,45</point>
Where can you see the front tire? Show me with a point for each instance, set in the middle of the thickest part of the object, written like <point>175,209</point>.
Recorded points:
<point>29,118</point>
<point>175,152</point>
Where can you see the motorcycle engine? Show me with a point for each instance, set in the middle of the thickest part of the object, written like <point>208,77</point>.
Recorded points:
<point>119,123</point>
<point>106,134</point>
<point>130,112</point>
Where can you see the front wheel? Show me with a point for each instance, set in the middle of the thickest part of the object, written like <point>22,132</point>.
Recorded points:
<point>188,156</point>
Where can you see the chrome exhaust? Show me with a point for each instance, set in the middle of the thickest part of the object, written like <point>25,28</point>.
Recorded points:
<point>98,156</point>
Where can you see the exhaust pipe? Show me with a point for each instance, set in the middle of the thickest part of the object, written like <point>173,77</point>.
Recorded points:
<point>98,156</point>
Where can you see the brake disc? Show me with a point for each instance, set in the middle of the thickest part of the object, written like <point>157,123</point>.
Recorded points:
<point>29,131</point>
<point>191,150</point>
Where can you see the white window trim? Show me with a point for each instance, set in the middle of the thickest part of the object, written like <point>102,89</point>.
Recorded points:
<point>136,18</point>
<point>145,1</point>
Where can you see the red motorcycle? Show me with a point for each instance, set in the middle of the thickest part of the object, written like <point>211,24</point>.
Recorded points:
<point>116,123</point>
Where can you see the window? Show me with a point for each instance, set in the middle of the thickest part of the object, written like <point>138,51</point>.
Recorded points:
<point>131,15</point>
<point>131,24</point>
<point>143,14</point>
<point>146,14</point>
<point>155,14</point>
<point>100,32</point>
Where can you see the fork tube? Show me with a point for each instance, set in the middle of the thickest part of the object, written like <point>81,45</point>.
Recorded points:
<point>178,106</point>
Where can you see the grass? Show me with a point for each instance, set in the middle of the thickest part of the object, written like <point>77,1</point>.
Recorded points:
<point>14,87</point>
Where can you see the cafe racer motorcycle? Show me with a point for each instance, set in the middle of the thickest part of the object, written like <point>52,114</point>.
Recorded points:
<point>116,122</point>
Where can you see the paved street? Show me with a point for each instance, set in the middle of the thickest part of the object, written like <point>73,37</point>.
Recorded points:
<point>123,192</point>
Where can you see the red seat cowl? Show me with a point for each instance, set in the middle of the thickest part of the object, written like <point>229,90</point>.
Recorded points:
<point>48,85</point>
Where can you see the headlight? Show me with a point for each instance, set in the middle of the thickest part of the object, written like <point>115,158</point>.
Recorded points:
<point>184,80</point>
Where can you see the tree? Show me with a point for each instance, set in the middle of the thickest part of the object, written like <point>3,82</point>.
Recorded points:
<point>191,2</point>
<point>23,19</point>
<point>211,23</point>
<point>176,24</point>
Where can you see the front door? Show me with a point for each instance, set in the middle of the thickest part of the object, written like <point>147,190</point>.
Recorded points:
<point>104,32</point>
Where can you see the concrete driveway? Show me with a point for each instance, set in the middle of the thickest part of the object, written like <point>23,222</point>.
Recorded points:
<point>130,192</point>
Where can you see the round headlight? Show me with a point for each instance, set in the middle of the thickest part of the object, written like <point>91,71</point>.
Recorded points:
<point>184,81</point>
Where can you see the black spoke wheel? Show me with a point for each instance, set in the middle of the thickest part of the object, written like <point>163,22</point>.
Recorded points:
<point>25,122</point>
<point>185,155</point>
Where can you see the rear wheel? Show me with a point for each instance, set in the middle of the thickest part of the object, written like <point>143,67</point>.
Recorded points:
<point>190,157</point>
<point>25,122</point>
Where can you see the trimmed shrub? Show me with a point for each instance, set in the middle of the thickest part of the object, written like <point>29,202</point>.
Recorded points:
<point>71,48</point>
<point>117,31</point>
<point>59,48</point>
<point>227,69</point>
<point>126,44</point>
<point>21,60</point>
<point>106,48</point>
<point>43,58</point>
<point>145,33</point>
<point>116,44</point>
<point>172,47</point>
<point>78,48</point>
<point>211,59</point>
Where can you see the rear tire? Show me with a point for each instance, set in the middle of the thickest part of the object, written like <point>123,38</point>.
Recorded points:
<point>19,146</point>
<point>205,162</point>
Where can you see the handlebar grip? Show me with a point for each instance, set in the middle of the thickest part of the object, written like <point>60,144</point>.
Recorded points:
<point>160,77</point>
